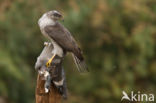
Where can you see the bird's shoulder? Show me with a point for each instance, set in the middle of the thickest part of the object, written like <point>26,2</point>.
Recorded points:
<point>58,27</point>
<point>61,35</point>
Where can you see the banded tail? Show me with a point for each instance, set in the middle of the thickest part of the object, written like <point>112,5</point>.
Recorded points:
<point>80,64</point>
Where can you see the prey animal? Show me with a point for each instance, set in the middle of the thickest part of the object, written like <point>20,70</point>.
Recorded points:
<point>61,39</point>
<point>54,74</point>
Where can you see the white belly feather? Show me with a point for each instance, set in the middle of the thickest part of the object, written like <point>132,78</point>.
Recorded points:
<point>44,21</point>
<point>57,49</point>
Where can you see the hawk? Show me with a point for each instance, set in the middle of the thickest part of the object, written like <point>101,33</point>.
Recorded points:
<point>61,38</point>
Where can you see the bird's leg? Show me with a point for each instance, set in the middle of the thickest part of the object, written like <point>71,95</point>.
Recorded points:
<point>50,60</point>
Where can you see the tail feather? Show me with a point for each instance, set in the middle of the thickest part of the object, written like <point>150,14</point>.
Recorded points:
<point>81,65</point>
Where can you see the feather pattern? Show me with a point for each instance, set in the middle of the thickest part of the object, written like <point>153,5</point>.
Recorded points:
<point>81,65</point>
<point>62,40</point>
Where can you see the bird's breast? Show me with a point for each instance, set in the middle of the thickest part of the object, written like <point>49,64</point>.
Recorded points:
<point>44,33</point>
<point>57,49</point>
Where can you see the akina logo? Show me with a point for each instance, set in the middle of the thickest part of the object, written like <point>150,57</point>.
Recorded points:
<point>141,97</point>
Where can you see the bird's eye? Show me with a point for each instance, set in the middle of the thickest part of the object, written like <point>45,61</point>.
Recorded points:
<point>57,15</point>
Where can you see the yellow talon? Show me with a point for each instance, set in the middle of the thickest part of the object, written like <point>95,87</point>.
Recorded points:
<point>50,61</point>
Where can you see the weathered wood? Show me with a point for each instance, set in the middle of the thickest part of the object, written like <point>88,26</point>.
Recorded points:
<point>41,97</point>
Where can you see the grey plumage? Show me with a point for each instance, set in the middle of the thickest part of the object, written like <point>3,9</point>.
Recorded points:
<point>48,80</point>
<point>62,37</point>
<point>44,56</point>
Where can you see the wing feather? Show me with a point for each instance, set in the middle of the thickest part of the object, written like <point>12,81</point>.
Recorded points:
<point>63,38</point>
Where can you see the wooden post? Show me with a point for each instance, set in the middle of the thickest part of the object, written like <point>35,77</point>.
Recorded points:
<point>41,97</point>
<point>53,96</point>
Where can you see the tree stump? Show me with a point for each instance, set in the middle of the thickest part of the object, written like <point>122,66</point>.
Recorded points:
<point>52,96</point>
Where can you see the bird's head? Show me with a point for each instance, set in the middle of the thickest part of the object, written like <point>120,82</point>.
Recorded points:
<point>55,15</point>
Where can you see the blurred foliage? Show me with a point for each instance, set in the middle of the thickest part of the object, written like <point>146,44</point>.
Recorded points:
<point>118,38</point>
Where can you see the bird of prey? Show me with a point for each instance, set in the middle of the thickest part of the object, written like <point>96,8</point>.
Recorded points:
<point>61,38</point>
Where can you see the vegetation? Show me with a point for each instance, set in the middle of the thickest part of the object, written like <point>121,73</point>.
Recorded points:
<point>118,38</point>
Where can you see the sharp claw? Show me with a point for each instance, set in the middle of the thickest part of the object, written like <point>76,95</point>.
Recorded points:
<point>50,61</point>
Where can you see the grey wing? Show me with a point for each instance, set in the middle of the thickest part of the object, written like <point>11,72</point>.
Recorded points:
<point>63,37</point>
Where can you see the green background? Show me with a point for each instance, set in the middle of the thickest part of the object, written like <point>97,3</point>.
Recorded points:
<point>118,39</point>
